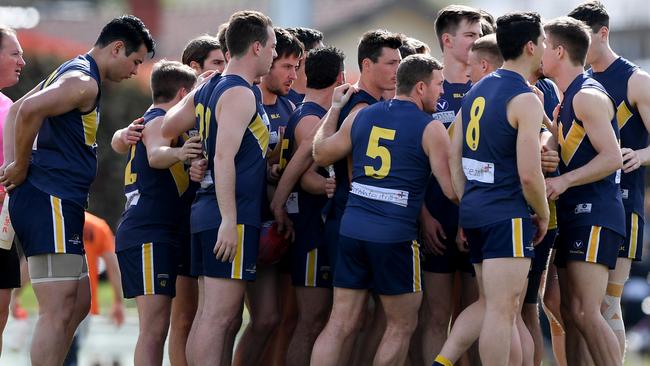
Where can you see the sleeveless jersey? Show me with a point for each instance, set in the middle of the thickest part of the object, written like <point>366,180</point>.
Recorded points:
<point>598,203</point>
<point>551,100</point>
<point>634,134</point>
<point>493,190</point>
<point>278,114</point>
<point>295,97</point>
<point>64,156</point>
<point>250,160</point>
<point>154,197</point>
<point>389,173</point>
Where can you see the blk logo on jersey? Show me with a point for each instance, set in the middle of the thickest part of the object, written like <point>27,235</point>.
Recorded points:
<point>442,105</point>
<point>577,244</point>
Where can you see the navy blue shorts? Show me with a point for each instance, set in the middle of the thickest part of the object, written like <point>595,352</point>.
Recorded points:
<point>310,267</point>
<point>148,269</point>
<point>332,228</point>
<point>184,253</point>
<point>512,238</point>
<point>592,244</point>
<point>386,268</point>
<point>44,223</point>
<point>244,267</point>
<point>632,247</point>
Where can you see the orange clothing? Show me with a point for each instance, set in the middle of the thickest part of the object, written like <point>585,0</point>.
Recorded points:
<point>98,239</point>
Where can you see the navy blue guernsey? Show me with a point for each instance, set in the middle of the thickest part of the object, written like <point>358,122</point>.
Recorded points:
<point>493,190</point>
<point>389,173</point>
<point>551,99</point>
<point>295,97</point>
<point>278,114</point>
<point>154,197</point>
<point>597,203</point>
<point>450,101</point>
<point>64,156</point>
<point>340,198</point>
<point>289,141</point>
<point>250,160</point>
<point>634,134</point>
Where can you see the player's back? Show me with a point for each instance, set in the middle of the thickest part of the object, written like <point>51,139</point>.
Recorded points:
<point>389,172</point>
<point>493,190</point>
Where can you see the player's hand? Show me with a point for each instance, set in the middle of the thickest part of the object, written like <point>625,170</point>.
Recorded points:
<point>133,132</point>
<point>538,92</point>
<point>197,169</point>
<point>226,247</point>
<point>191,149</point>
<point>13,176</point>
<point>432,234</point>
<point>204,77</point>
<point>631,160</point>
<point>550,160</point>
<point>555,186</point>
<point>282,220</point>
<point>342,94</point>
<point>461,241</point>
<point>542,227</point>
<point>330,186</point>
<point>273,173</point>
<point>117,313</point>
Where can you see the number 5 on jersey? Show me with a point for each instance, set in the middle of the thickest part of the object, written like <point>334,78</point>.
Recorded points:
<point>376,151</point>
<point>473,134</point>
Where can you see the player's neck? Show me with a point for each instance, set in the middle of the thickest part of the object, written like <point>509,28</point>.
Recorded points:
<point>96,54</point>
<point>521,66</point>
<point>268,97</point>
<point>241,68</point>
<point>367,86</point>
<point>299,88</point>
<point>408,98</point>
<point>322,97</point>
<point>566,74</point>
<point>454,70</point>
<point>166,106</point>
<point>604,60</point>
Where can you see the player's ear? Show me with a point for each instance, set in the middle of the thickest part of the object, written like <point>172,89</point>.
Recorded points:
<point>484,65</point>
<point>196,66</point>
<point>446,40</point>
<point>116,47</point>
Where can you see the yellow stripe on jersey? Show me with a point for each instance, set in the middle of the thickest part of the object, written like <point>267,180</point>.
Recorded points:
<point>594,243</point>
<point>552,221</point>
<point>238,264</point>
<point>261,133</point>
<point>284,153</point>
<point>623,114</point>
<point>59,225</point>
<point>129,176</point>
<point>417,281</point>
<point>517,238</point>
<point>310,270</point>
<point>634,233</point>
<point>571,142</point>
<point>450,130</point>
<point>147,269</point>
<point>180,176</point>
<point>50,78</point>
<point>90,124</point>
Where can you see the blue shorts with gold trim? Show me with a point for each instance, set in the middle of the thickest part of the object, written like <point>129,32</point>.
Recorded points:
<point>386,268</point>
<point>512,238</point>
<point>148,269</point>
<point>632,247</point>
<point>310,267</point>
<point>44,223</point>
<point>592,244</point>
<point>243,267</point>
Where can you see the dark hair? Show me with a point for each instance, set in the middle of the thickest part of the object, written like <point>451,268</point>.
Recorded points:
<point>411,46</point>
<point>572,34</point>
<point>244,29</point>
<point>593,13</point>
<point>221,38</point>
<point>308,36</point>
<point>488,26</point>
<point>413,69</point>
<point>287,44</point>
<point>198,49</point>
<point>373,42</point>
<point>5,31</point>
<point>450,17</point>
<point>130,30</point>
<point>168,77</point>
<point>515,30</point>
<point>488,48</point>
<point>323,66</point>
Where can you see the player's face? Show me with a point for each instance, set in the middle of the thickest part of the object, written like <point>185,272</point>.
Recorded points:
<point>11,61</point>
<point>282,75</point>
<point>267,53</point>
<point>539,50</point>
<point>384,71</point>
<point>475,70</point>
<point>127,66</point>
<point>549,58</point>
<point>215,61</point>
<point>465,36</point>
<point>433,92</point>
<point>594,46</point>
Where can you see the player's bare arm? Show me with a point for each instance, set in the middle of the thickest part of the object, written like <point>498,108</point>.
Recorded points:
<point>456,157</point>
<point>639,94</point>
<point>180,118</point>
<point>436,144</point>
<point>125,137</point>
<point>160,151</point>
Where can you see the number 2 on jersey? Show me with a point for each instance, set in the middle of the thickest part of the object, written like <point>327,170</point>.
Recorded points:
<point>376,151</point>
<point>473,133</point>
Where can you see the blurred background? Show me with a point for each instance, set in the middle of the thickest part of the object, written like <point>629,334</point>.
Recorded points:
<point>52,31</point>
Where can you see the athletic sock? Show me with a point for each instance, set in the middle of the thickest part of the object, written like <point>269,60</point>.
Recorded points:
<point>442,361</point>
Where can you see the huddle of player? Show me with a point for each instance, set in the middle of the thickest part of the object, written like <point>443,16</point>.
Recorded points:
<point>491,160</point>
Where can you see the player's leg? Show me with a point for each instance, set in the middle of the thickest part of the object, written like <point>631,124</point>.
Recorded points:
<point>153,316</point>
<point>401,320</point>
<point>9,280</point>
<point>184,305</point>
<point>436,311</point>
<point>551,307</point>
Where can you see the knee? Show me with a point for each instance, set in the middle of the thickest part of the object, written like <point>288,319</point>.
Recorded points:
<point>582,314</point>
<point>265,324</point>
<point>402,328</point>
<point>551,302</point>
<point>4,314</point>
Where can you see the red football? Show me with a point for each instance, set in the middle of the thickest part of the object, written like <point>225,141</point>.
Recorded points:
<point>273,245</point>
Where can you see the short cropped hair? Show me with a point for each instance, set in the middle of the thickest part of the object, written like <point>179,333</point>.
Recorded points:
<point>287,44</point>
<point>308,36</point>
<point>372,43</point>
<point>488,48</point>
<point>572,34</point>
<point>515,30</point>
<point>488,26</point>
<point>323,66</point>
<point>130,30</point>
<point>6,32</point>
<point>413,69</point>
<point>244,29</point>
<point>593,13</point>
<point>221,38</point>
<point>198,49</point>
<point>168,77</point>
<point>411,46</point>
<point>450,17</point>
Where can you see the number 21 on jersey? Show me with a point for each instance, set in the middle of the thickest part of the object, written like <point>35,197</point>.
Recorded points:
<point>377,151</point>
<point>473,134</point>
